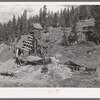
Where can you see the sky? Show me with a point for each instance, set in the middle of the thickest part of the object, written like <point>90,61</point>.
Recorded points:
<point>7,10</point>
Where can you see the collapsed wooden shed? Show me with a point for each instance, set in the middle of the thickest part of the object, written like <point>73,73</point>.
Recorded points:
<point>30,43</point>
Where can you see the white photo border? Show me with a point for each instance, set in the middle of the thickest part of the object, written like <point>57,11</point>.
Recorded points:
<point>51,92</point>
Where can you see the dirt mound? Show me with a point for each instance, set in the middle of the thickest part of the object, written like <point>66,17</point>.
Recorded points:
<point>59,71</point>
<point>6,55</point>
<point>8,52</point>
<point>30,75</point>
<point>8,66</point>
<point>3,47</point>
<point>88,44</point>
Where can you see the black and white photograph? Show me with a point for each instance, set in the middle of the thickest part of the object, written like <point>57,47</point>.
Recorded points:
<point>44,45</point>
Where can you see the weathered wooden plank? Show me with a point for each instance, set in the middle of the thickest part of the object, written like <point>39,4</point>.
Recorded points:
<point>26,47</point>
<point>28,43</point>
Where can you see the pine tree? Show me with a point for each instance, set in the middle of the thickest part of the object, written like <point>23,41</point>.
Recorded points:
<point>13,28</point>
<point>55,20</point>
<point>64,40</point>
<point>50,19</point>
<point>40,16</point>
<point>24,28</point>
<point>36,19</point>
<point>62,20</point>
<point>72,14</point>
<point>44,21</point>
<point>83,12</point>
<point>30,21</point>
<point>18,27</point>
<point>10,32</point>
<point>89,14</point>
<point>68,18</point>
<point>74,24</point>
<point>1,32</point>
<point>73,27</point>
<point>96,15</point>
<point>65,16</point>
<point>5,34</point>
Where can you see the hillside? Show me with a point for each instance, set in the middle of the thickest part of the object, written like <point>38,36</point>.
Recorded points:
<point>58,75</point>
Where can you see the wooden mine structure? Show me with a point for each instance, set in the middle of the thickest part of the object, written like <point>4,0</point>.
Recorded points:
<point>30,44</point>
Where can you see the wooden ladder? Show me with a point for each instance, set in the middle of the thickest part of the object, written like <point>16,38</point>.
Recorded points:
<point>27,44</point>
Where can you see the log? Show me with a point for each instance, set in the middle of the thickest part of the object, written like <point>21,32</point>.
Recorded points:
<point>35,60</point>
<point>39,62</point>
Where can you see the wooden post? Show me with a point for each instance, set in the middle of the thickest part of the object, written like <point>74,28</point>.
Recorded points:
<point>35,46</point>
<point>17,53</point>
